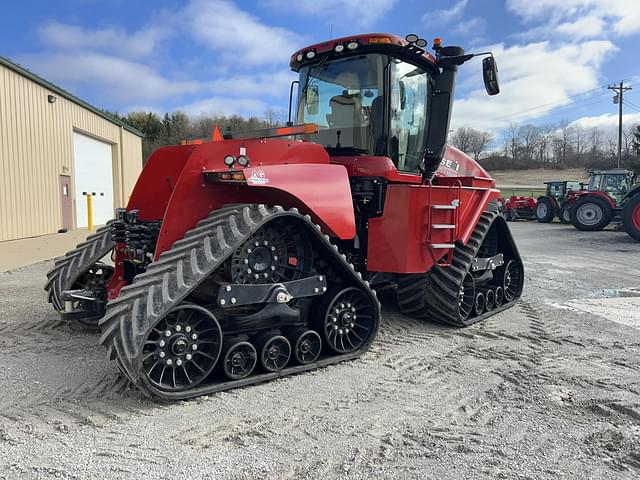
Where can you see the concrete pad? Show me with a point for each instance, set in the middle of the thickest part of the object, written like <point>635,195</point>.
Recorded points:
<point>26,251</point>
<point>624,310</point>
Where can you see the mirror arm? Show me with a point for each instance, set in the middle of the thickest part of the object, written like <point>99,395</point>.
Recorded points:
<point>460,59</point>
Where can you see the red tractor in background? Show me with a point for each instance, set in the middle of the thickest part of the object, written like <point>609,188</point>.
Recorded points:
<point>610,196</point>
<point>555,203</point>
<point>244,259</point>
<point>519,208</point>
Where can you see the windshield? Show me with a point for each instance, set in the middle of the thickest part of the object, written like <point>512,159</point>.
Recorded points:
<point>346,99</point>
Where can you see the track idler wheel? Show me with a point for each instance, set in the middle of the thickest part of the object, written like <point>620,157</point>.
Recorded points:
<point>479,303</point>
<point>307,345</point>
<point>182,349</point>
<point>239,359</point>
<point>275,352</point>
<point>348,320</point>
<point>512,280</point>
<point>498,297</point>
<point>489,299</point>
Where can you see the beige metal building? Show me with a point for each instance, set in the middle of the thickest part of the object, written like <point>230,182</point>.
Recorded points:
<point>54,147</point>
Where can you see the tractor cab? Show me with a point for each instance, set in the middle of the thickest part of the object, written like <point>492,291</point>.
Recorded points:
<point>379,95</point>
<point>561,188</point>
<point>615,183</point>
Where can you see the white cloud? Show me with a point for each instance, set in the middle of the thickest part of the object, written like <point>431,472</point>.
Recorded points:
<point>608,122</point>
<point>534,79</point>
<point>339,12</point>
<point>226,106</point>
<point>261,84</point>
<point>237,36</point>
<point>596,16</point>
<point>444,16</point>
<point>74,37</point>
<point>117,79</point>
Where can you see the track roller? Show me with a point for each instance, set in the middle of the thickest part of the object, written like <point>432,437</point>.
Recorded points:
<point>307,345</point>
<point>479,303</point>
<point>498,297</point>
<point>275,352</point>
<point>239,359</point>
<point>489,299</point>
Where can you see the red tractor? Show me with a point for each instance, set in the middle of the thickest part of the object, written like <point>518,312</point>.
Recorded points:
<point>244,259</point>
<point>604,201</point>
<point>519,208</point>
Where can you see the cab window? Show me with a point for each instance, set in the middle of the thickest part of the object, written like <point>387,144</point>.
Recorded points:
<point>409,94</point>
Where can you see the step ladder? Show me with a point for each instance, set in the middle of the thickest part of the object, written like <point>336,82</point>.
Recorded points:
<point>450,224</point>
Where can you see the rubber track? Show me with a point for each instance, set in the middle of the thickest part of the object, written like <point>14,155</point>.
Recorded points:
<point>74,263</point>
<point>178,271</point>
<point>434,295</point>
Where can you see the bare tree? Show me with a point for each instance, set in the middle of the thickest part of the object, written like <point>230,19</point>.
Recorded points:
<point>461,139</point>
<point>528,142</point>
<point>471,141</point>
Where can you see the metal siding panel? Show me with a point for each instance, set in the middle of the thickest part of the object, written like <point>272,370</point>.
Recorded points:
<point>5,221</point>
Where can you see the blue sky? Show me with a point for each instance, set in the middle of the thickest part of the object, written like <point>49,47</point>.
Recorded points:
<point>222,56</point>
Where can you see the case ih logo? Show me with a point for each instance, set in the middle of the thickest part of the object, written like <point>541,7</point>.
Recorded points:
<point>258,178</point>
<point>453,165</point>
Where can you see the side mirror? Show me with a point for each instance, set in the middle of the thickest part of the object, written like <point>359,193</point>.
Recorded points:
<point>312,99</point>
<point>490,76</point>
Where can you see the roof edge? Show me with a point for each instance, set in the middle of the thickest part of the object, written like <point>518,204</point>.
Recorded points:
<point>63,93</point>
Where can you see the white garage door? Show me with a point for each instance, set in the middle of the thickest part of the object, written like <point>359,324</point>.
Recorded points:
<point>93,173</point>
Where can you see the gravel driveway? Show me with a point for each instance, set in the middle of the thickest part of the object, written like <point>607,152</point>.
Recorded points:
<point>548,389</point>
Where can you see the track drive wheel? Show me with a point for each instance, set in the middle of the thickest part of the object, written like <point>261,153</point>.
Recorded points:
<point>631,217</point>
<point>591,213</point>
<point>544,210</point>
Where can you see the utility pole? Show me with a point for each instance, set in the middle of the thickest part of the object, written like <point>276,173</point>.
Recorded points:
<point>619,89</point>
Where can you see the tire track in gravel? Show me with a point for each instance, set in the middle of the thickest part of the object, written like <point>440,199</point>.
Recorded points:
<point>51,384</point>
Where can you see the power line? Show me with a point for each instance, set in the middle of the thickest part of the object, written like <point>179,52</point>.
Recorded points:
<point>543,105</point>
<point>632,105</point>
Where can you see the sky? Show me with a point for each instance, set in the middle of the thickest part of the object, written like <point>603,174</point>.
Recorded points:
<point>555,57</point>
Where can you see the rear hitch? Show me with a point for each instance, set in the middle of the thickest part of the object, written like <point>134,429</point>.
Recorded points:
<point>82,304</point>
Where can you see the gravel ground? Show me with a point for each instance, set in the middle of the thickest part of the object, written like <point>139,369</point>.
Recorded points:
<point>547,389</point>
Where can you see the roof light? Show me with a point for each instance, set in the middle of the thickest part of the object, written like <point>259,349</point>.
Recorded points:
<point>299,57</point>
<point>339,48</point>
<point>229,160</point>
<point>310,54</point>
<point>437,42</point>
<point>421,42</point>
<point>352,45</point>
<point>411,38</point>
